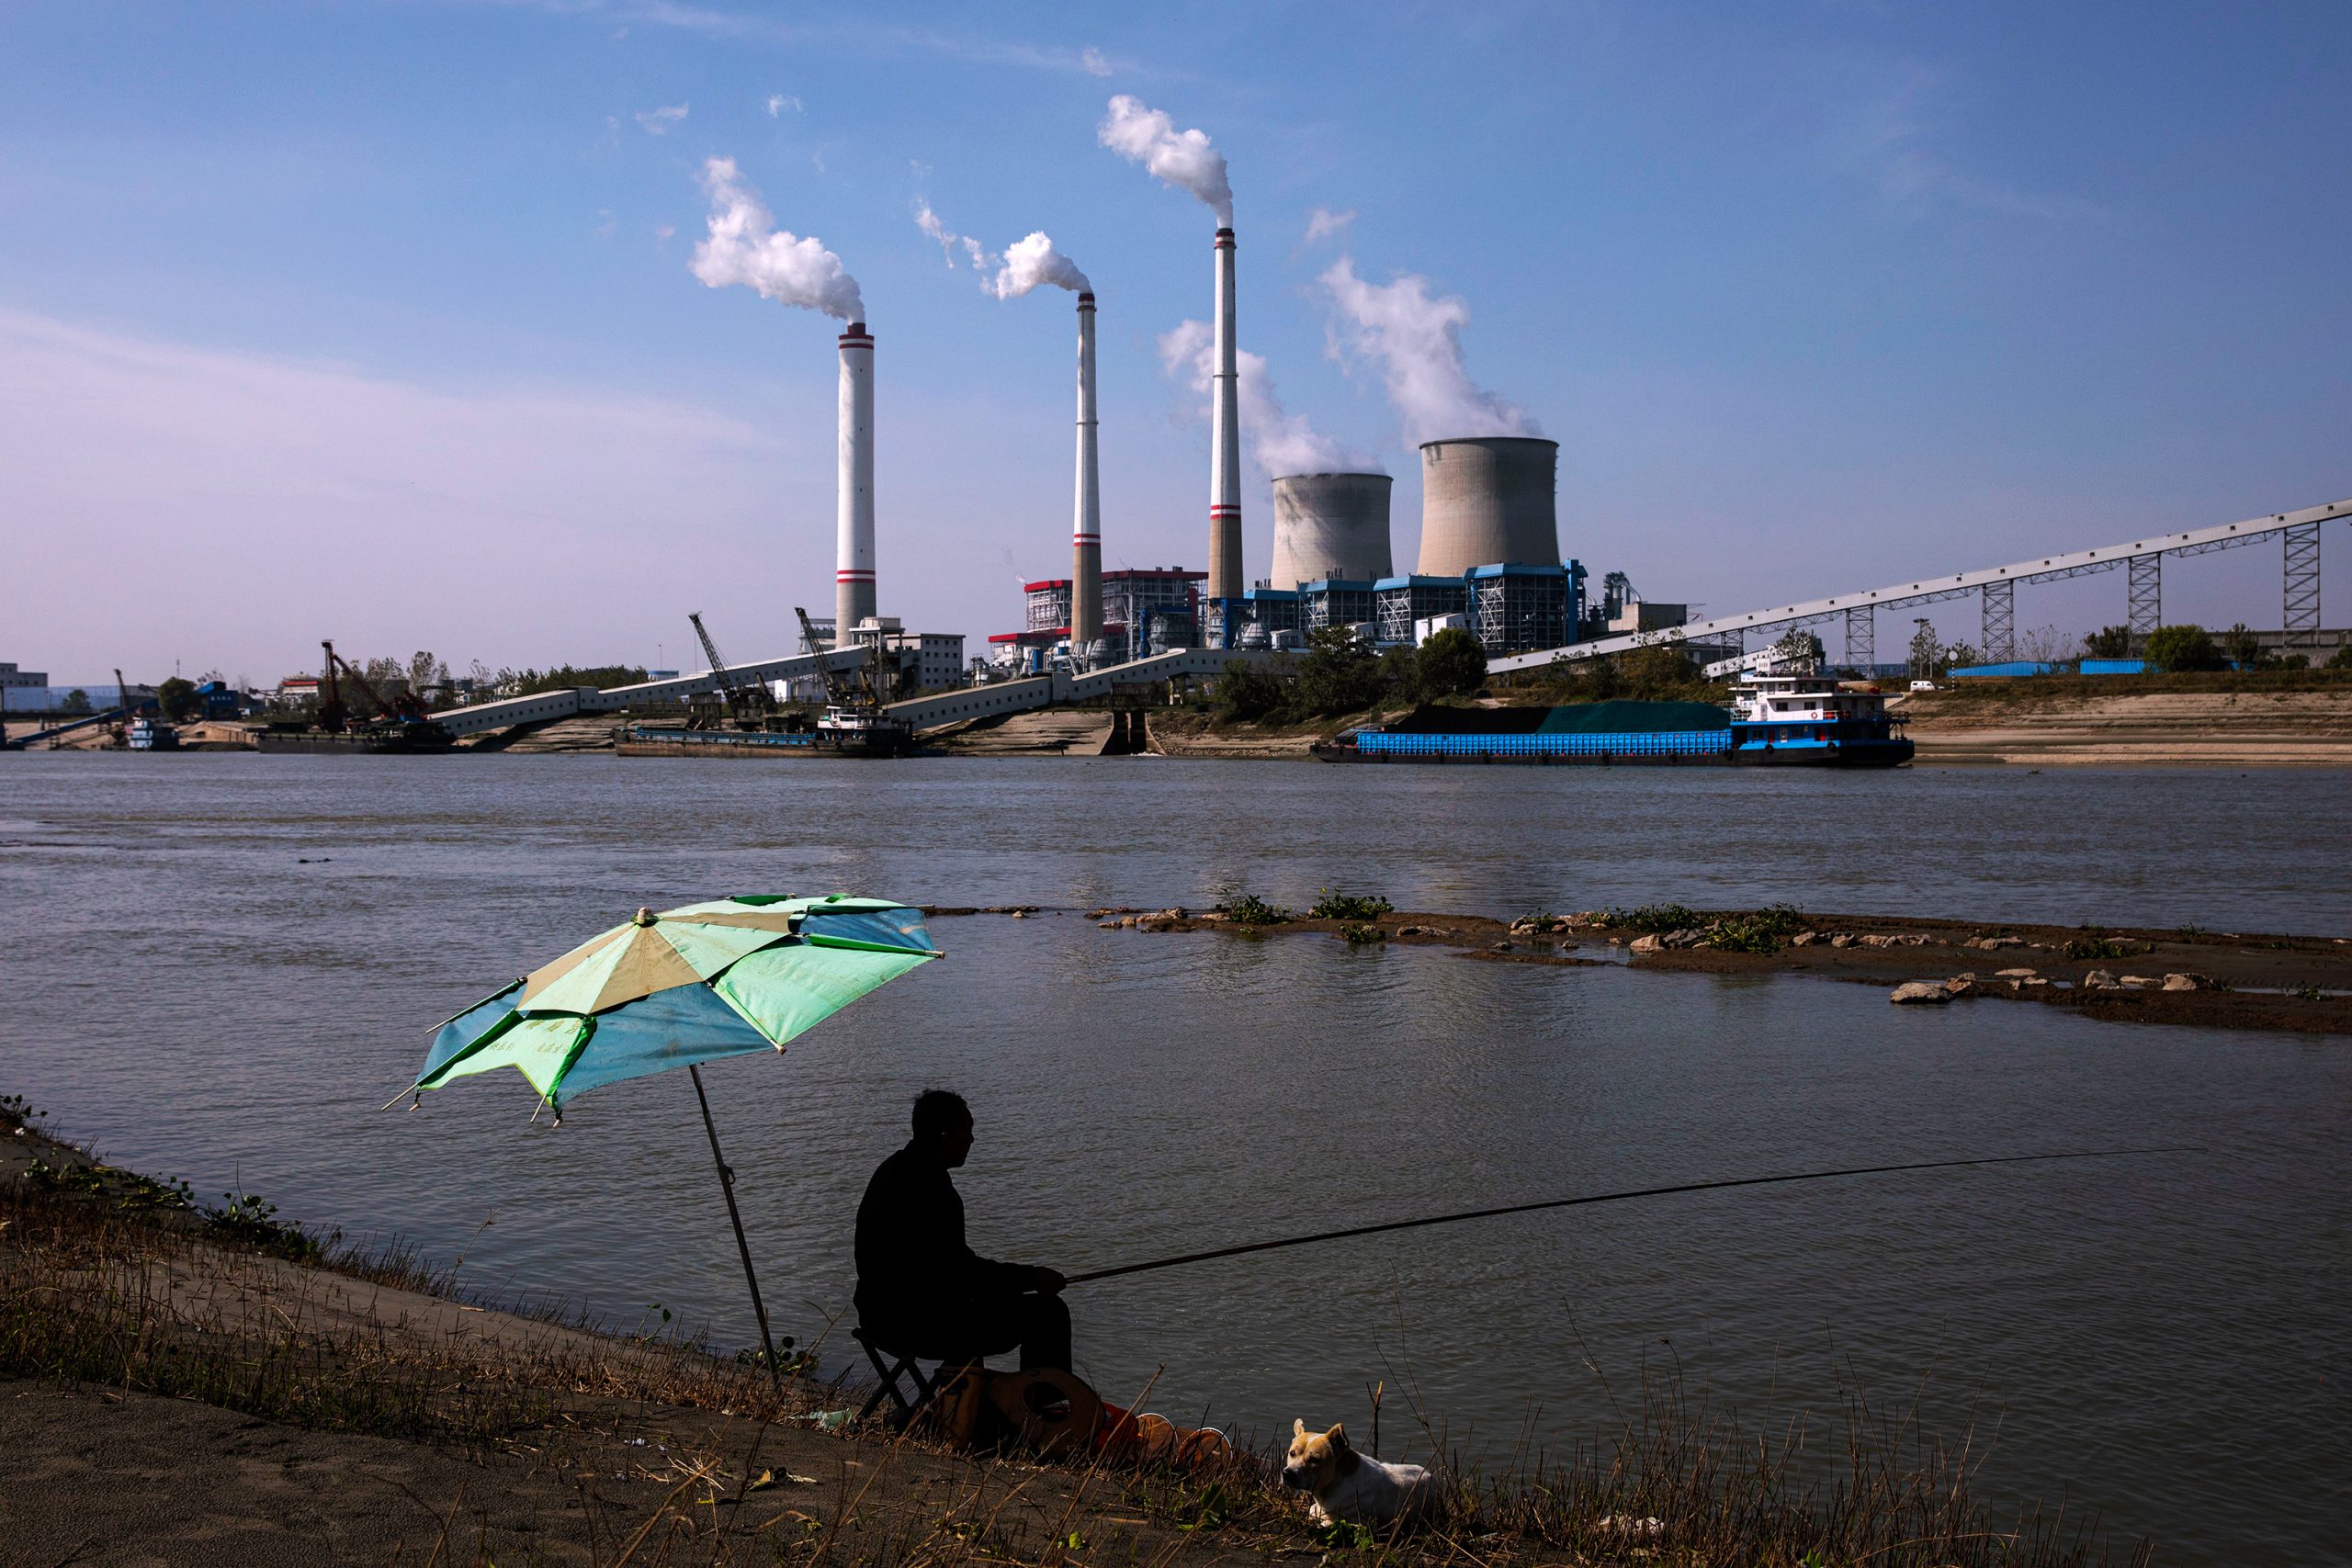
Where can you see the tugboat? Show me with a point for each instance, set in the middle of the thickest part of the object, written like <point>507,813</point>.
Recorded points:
<point>1800,718</point>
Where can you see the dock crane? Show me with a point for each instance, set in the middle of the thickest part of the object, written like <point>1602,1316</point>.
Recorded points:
<point>746,704</point>
<point>839,690</point>
<point>407,709</point>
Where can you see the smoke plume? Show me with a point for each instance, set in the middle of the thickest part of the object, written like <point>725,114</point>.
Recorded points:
<point>1024,265</point>
<point>1034,261</point>
<point>745,246</point>
<point>1183,158</point>
<point>1280,442</point>
<point>1417,342</point>
<point>948,240</point>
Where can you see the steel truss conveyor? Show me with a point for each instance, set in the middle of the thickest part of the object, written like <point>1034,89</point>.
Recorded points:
<point>2142,558</point>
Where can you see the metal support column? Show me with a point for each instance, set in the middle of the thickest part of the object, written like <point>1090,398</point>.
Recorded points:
<point>2000,622</point>
<point>1861,649</point>
<point>2143,598</point>
<point>2302,619</point>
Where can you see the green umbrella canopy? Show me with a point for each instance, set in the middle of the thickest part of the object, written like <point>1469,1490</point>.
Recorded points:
<point>666,990</point>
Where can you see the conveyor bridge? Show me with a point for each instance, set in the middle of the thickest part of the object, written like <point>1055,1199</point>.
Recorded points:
<point>2141,559</point>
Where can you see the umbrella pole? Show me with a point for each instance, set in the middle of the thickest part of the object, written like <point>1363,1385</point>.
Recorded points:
<point>727,1185</point>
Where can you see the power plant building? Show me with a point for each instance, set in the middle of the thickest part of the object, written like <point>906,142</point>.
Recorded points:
<point>1488,500</point>
<point>1338,601</point>
<point>1515,607</point>
<point>1141,607</point>
<point>1332,526</point>
<point>1399,602</point>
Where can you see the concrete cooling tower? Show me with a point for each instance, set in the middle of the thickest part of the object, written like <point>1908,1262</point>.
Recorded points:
<point>1489,500</point>
<point>1331,525</point>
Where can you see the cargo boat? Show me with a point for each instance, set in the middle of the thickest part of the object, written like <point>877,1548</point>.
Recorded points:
<point>841,732</point>
<point>1776,720</point>
<point>396,739</point>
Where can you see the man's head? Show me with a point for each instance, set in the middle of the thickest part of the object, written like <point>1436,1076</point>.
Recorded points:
<point>944,1126</point>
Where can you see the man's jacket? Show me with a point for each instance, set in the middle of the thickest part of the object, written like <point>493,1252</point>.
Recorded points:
<point>912,1261</point>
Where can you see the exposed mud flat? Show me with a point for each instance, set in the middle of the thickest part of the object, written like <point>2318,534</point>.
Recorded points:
<point>2231,980</point>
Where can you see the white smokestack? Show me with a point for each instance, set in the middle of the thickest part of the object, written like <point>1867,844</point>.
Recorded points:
<point>1225,440</point>
<point>1086,522</point>
<point>854,573</point>
<point>1280,442</point>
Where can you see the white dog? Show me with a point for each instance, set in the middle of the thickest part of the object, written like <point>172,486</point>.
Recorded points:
<point>1349,1486</point>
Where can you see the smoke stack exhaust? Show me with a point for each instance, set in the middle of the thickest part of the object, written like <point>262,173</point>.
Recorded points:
<point>1225,440</point>
<point>854,573</point>
<point>1086,524</point>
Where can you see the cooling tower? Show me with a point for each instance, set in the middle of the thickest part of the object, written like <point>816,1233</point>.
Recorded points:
<point>1225,441</point>
<point>854,552</point>
<point>1486,500</point>
<point>1086,522</point>
<point>1331,525</point>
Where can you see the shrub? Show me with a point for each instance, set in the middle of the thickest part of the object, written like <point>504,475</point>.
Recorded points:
<point>1340,673</point>
<point>2341,659</point>
<point>1650,918</point>
<point>1245,693</point>
<point>1358,935</point>
<point>177,697</point>
<point>1763,931</point>
<point>1332,906</point>
<point>1249,910</point>
<point>2109,642</point>
<point>2183,647</point>
<point>2095,947</point>
<point>1451,664</point>
<point>1542,922</point>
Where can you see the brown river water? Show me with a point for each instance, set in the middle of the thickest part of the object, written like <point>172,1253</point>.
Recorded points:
<point>219,966</point>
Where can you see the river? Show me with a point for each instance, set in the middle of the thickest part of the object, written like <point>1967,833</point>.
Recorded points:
<point>219,966</point>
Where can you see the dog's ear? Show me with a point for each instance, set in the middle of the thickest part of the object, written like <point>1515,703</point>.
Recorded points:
<point>1337,1438</point>
<point>1297,1428</point>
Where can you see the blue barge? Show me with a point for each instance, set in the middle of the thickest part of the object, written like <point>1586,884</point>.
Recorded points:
<point>1775,721</point>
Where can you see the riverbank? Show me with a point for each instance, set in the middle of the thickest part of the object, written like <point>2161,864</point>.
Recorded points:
<point>2233,722</point>
<point>2117,973</point>
<point>180,1384</point>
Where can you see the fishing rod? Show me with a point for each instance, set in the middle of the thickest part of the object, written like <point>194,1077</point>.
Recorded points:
<point>1595,1197</point>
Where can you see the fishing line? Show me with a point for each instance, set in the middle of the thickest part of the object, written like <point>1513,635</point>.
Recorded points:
<point>1596,1198</point>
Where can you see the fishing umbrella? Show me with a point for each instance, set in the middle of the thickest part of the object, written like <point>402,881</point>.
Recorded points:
<point>678,989</point>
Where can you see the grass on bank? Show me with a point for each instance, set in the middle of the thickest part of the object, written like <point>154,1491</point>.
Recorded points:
<point>92,1294</point>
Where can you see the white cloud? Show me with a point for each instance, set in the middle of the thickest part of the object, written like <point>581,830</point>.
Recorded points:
<point>1090,59</point>
<point>657,122</point>
<point>239,456</point>
<point>779,102</point>
<point>1892,142</point>
<point>1322,223</point>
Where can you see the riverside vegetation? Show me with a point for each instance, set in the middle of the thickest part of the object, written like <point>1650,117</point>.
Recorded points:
<point>417,1425</point>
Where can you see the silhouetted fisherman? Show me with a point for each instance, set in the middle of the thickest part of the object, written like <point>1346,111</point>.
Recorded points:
<point>921,1290</point>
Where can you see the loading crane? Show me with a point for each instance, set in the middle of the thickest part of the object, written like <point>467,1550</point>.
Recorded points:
<point>839,691</point>
<point>747,704</point>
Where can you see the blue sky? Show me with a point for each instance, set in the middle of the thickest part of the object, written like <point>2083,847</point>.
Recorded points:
<point>374,320</point>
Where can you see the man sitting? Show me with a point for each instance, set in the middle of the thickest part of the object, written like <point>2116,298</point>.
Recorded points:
<point>921,1290</point>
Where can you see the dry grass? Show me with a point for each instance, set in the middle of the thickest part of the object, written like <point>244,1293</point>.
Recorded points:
<point>96,1297</point>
